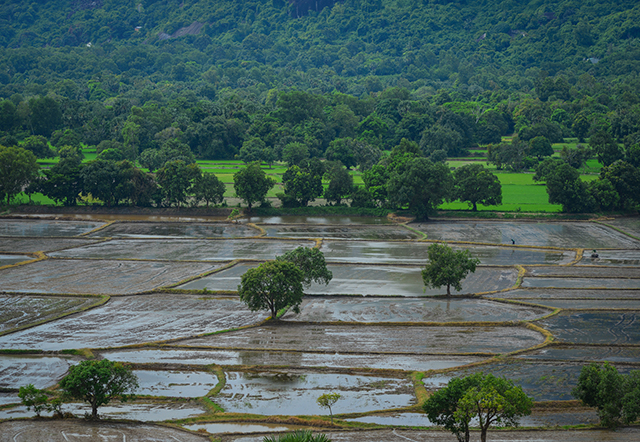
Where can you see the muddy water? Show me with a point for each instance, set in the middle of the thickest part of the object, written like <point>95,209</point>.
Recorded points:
<point>292,359</point>
<point>45,228</point>
<point>176,230</point>
<point>184,250</point>
<point>134,320</point>
<point>6,260</point>
<point>31,245</point>
<point>9,398</point>
<point>229,427</point>
<point>586,283</point>
<point>584,353</point>
<point>389,232</point>
<point>349,309</point>
<point>374,339</point>
<point>588,304</point>
<point>175,383</point>
<point>416,253</point>
<point>585,272</point>
<point>296,394</point>
<point>537,294</point>
<point>629,224</point>
<point>340,220</point>
<point>97,276</point>
<point>613,258</point>
<point>42,372</point>
<point>125,217</point>
<point>561,234</point>
<point>595,327</point>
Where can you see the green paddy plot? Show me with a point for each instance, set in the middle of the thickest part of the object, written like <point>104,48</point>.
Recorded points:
<point>295,393</point>
<point>174,383</point>
<point>629,225</point>
<point>548,234</point>
<point>324,220</point>
<point>135,320</point>
<point>416,253</point>
<point>31,245</point>
<point>295,359</point>
<point>586,283</point>
<point>176,230</point>
<point>17,311</point>
<point>350,309</point>
<point>380,232</point>
<point>97,276</point>
<point>374,338</point>
<point>538,295</point>
<point>585,353</point>
<point>184,249</point>
<point>42,372</point>
<point>613,258</point>
<point>602,327</point>
<point>6,260</point>
<point>369,280</point>
<point>45,227</point>
<point>585,272</point>
<point>76,430</point>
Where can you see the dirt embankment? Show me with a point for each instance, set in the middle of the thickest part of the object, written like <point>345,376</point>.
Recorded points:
<point>121,210</point>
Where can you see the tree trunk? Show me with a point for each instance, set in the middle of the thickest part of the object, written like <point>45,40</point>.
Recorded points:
<point>448,289</point>
<point>475,208</point>
<point>94,411</point>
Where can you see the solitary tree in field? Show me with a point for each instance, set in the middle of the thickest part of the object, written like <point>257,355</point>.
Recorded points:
<point>97,382</point>
<point>475,184</point>
<point>447,267</point>
<point>272,286</point>
<point>327,400</point>
<point>312,263</point>
<point>252,184</point>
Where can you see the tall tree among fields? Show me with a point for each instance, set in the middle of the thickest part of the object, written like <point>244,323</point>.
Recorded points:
<point>17,168</point>
<point>475,184</point>
<point>252,184</point>
<point>447,267</point>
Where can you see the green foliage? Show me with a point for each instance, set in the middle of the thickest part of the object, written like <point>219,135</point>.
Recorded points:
<point>18,167</point>
<point>447,267</point>
<point>272,286</point>
<point>38,145</point>
<point>31,397</point>
<point>475,184</point>
<point>176,178</point>
<point>565,187</point>
<point>615,396</point>
<point>208,188</point>
<point>301,186</point>
<point>327,400</point>
<point>489,399</point>
<point>297,436</point>
<point>340,184</point>
<point>312,263</point>
<point>252,184</point>
<point>606,149</point>
<point>98,382</point>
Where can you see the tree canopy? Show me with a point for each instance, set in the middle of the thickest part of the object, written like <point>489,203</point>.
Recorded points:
<point>312,263</point>
<point>447,267</point>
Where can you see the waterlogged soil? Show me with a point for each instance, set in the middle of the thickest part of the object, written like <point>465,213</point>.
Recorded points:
<point>585,353</point>
<point>146,412</point>
<point>134,320</point>
<point>294,394</point>
<point>630,225</point>
<point>9,398</point>
<point>46,228</point>
<point>227,279</point>
<point>77,430</point>
<point>175,383</point>
<point>381,233</point>
<point>374,339</point>
<point>586,283</point>
<point>228,427</point>
<point>350,309</point>
<point>184,250</point>
<point>595,327</point>
<point>538,294</point>
<point>42,372</point>
<point>613,258</point>
<point>21,311</point>
<point>585,272</point>
<point>416,253</point>
<point>32,245</point>
<point>557,234</point>
<point>97,276</point>
<point>6,260</point>
<point>405,435</point>
<point>291,359</point>
<point>329,220</point>
<point>584,304</point>
<point>175,230</point>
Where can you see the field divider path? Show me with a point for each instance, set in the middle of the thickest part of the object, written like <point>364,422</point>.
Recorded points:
<point>617,229</point>
<point>423,235</point>
<point>97,229</point>
<point>263,232</point>
<point>38,256</point>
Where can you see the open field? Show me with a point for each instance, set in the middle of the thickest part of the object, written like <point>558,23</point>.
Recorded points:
<point>365,347</point>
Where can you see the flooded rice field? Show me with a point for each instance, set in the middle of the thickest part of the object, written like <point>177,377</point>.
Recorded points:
<point>135,320</point>
<point>175,230</point>
<point>97,276</point>
<point>374,338</point>
<point>374,318</point>
<point>184,250</point>
<point>294,393</point>
<point>549,234</point>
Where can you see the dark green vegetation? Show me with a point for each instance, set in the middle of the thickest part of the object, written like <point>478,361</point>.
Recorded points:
<point>616,396</point>
<point>298,436</point>
<point>447,267</point>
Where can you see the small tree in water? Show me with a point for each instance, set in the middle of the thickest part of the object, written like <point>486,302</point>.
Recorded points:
<point>447,267</point>
<point>327,400</point>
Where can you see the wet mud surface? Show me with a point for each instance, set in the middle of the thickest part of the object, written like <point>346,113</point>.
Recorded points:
<point>630,225</point>
<point>613,258</point>
<point>555,234</point>
<point>416,253</point>
<point>595,327</point>
<point>578,294</point>
<point>586,283</point>
<point>184,250</point>
<point>287,393</point>
<point>349,309</point>
<point>42,372</point>
<point>175,383</point>
<point>134,320</point>
<point>31,245</point>
<point>46,228</point>
<point>375,339</point>
<point>175,230</point>
<point>585,272</point>
<point>352,221</point>
<point>6,260</point>
<point>585,353</point>
<point>341,232</point>
<point>75,430</point>
<point>97,276</point>
<point>20,310</point>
